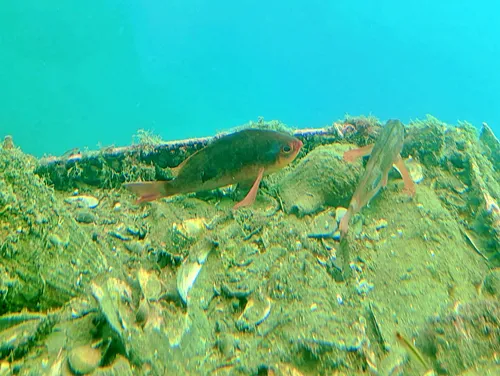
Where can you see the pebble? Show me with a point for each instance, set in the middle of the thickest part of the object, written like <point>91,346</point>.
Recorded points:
<point>84,359</point>
<point>85,216</point>
<point>380,224</point>
<point>336,235</point>
<point>364,287</point>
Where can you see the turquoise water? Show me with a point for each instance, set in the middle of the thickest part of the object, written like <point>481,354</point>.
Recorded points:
<point>78,74</point>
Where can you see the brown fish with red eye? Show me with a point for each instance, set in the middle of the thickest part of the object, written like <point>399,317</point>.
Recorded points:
<point>241,157</point>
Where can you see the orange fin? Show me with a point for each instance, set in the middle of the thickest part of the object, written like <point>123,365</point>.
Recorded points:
<point>147,191</point>
<point>250,197</point>
<point>409,184</point>
<point>344,222</point>
<point>384,180</point>
<point>351,155</point>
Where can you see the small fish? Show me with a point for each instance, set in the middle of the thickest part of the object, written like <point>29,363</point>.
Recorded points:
<point>241,157</point>
<point>384,154</point>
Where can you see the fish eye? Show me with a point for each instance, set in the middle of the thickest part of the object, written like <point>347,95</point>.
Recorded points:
<point>286,149</point>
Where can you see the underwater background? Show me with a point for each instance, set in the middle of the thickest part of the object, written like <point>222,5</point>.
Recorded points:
<point>84,74</point>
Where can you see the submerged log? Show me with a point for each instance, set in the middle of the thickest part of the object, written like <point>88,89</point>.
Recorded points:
<point>110,167</point>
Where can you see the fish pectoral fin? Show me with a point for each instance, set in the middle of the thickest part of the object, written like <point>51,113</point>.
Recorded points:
<point>409,184</point>
<point>250,197</point>
<point>344,222</point>
<point>351,155</point>
<point>384,180</point>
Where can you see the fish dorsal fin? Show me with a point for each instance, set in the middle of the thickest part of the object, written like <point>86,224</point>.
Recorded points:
<point>177,169</point>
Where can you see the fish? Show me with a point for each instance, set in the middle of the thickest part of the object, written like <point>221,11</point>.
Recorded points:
<point>242,157</point>
<point>383,155</point>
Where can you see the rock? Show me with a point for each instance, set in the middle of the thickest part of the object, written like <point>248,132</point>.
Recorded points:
<point>84,359</point>
<point>491,282</point>
<point>321,178</point>
<point>85,216</point>
<point>8,143</point>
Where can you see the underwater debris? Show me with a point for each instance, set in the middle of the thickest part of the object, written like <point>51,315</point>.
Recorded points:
<point>414,353</point>
<point>473,244</point>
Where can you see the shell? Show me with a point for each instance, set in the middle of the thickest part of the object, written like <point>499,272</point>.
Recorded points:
<point>415,170</point>
<point>191,228</point>
<point>255,312</point>
<point>189,270</point>
<point>83,201</point>
<point>113,297</point>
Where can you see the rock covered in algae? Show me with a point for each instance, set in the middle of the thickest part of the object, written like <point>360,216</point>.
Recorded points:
<point>457,340</point>
<point>46,257</point>
<point>321,178</point>
<point>266,299</point>
<point>491,144</point>
<point>84,359</point>
<point>8,143</point>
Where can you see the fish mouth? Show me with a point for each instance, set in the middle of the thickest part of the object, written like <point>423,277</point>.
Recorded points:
<point>297,145</point>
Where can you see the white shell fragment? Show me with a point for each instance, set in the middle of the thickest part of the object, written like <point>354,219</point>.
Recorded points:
<point>254,314</point>
<point>414,169</point>
<point>191,228</point>
<point>339,213</point>
<point>189,270</point>
<point>83,201</point>
<point>113,297</point>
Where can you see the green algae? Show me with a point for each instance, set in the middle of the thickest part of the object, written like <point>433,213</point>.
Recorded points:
<point>409,262</point>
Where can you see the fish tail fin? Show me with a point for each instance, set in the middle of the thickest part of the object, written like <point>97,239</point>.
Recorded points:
<point>150,190</point>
